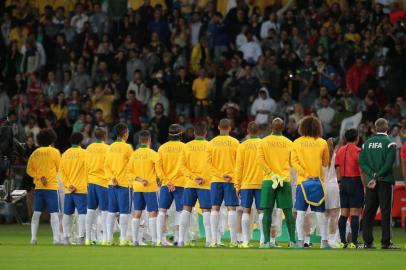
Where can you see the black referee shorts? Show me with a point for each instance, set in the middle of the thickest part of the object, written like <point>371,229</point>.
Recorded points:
<point>351,192</point>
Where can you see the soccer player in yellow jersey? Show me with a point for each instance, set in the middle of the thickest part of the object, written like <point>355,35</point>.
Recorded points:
<point>248,177</point>
<point>196,167</point>
<point>74,173</point>
<point>115,168</point>
<point>97,189</point>
<point>224,152</point>
<point>43,166</point>
<point>170,173</point>
<point>142,172</point>
<point>309,154</point>
<point>274,158</point>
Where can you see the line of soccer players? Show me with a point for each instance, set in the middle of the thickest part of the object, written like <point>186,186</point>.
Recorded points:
<point>118,181</point>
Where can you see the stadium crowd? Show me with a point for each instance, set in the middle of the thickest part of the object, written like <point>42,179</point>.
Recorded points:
<point>83,66</point>
<point>75,65</point>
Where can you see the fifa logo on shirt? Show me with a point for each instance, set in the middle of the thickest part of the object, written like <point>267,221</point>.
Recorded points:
<point>375,145</point>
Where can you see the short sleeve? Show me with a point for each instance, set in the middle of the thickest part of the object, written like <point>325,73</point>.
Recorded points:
<point>403,151</point>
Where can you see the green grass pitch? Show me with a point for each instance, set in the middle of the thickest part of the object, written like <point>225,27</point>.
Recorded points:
<point>17,253</point>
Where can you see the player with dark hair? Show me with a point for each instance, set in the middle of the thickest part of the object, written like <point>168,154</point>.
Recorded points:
<point>248,177</point>
<point>74,175</point>
<point>115,168</point>
<point>224,151</point>
<point>142,172</point>
<point>97,196</point>
<point>43,166</point>
<point>310,154</point>
<point>196,167</point>
<point>169,172</point>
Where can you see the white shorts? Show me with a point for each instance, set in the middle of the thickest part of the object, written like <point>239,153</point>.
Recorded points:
<point>332,196</point>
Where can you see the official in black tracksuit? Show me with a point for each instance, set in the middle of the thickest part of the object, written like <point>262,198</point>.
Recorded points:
<point>376,159</point>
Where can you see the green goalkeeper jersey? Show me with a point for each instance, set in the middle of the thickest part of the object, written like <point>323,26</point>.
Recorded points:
<point>377,157</point>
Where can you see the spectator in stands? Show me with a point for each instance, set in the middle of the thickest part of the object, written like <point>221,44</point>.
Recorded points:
<point>157,96</point>
<point>81,80</point>
<point>262,107</point>
<point>201,91</point>
<point>357,74</point>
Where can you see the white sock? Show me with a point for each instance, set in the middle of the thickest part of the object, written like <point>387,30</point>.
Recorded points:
<point>160,225</point>
<point>240,238</point>
<point>66,224</point>
<point>307,239</point>
<point>152,228</point>
<point>123,226</point>
<point>273,240</point>
<point>35,224</point>
<point>261,229</point>
<point>104,224</point>
<point>55,226</point>
<point>322,223</point>
<point>214,223</point>
<point>207,227</point>
<point>135,226</point>
<point>110,225</point>
<point>183,225</point>
<point>245,224</point>
<point>81,225</point>
<point>300,217</point>
<point>232,223</point>
<point>332,237</point>
<point>90,220</point>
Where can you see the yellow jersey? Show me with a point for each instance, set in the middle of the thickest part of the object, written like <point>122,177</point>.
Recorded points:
<point>309,156</point>
<point>170,163</point>
<point>142,164</point>
<point>115,165</point>
<point>96,156</point>
<point>196,162</point>
<point>248,174</point>
<point>274,155</point>
<point>73,169</point>
<point>44,162</point>
<point>224,153</point>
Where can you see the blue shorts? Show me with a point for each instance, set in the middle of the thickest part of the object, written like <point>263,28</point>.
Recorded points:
<point>190,196</point>
<point>73,201</point>
<point>220,191</point>
<point>247,197</point>
<point>97,197</point>
<point>119,199</point>
<point>302,205</point>
<point>166,198</point>
<point>351,192</point>
<point>145,199</point>
<point>45,199</point>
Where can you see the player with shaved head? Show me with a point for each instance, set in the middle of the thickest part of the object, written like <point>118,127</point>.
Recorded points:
<point>274,159</point>
<point>224,152</point>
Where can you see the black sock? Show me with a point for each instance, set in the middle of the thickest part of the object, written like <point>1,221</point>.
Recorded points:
<point>342,226</point>
<point>354,228</point>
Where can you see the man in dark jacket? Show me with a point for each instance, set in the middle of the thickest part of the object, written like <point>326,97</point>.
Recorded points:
<point>182,93</point>
<point>376,159</point>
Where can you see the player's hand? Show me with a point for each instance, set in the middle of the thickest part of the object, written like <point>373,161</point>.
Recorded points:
<point>114,182</point>
<point>227,178</point>
<point>44,180</point>
<point>144,182</point>
<point>199,180</point>
<point>171,187</point>
<point>72,189</point>
<point>371,184</point>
